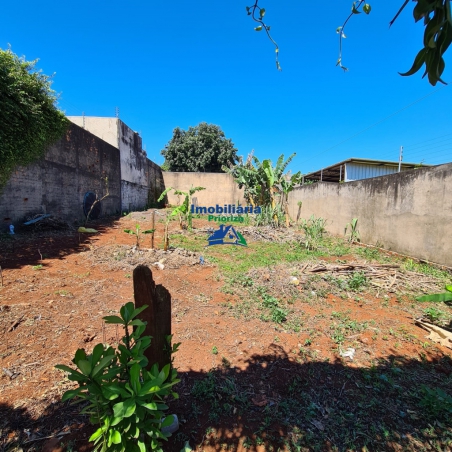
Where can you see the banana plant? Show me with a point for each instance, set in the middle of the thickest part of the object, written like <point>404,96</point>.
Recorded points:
<point>182,210</point>
<point>137,233</point>
<point>438,297</point>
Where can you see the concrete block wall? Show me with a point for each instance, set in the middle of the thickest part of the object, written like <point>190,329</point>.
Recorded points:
<point>408,212</point>
<point>57,184</point>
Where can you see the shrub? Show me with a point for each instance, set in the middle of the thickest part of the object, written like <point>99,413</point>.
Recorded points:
<point>123,397</point>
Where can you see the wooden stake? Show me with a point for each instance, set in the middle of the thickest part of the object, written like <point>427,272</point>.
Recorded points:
<point>157,315</point>
<point>153,228</point>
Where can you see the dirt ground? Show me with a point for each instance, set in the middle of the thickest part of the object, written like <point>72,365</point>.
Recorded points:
<point>245,381</point>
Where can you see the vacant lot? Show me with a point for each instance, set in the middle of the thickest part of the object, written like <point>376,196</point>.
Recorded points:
<point>283,346</point>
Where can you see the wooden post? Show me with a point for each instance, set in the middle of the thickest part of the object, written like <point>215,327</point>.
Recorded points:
<point>153,227</point>
<point>157,315</point>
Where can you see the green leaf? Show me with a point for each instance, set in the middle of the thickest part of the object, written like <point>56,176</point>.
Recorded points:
<point>104,362</point>
<point>137,311</point>
<point>97,353</point>
<point>367,8</point>
<point>354,10</point>
<point>168,421</point>
<point>84,366</point>
<point>129,231</point>
<point>262,12</point>
<point>436,298</point>
<point>148,231</point>
<point>259,28</point>
<point>142,446</point>
<point>79,354</point>
<point>187,447</point>
<point>87,230</point>
<point>97,434</point>
<point>71,394</point>
<point>418,62</point>
<point>151,406</point>
<point>115,436</point>
<point>449,287</point>
<point>135,378</point>
<point>124,409</point>
<point>113,319</point>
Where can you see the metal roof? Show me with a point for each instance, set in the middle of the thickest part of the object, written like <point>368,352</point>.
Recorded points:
<point>332,173</point>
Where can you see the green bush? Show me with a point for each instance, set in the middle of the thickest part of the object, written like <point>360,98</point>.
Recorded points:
<point>123,397</point>
<point>313,229</point>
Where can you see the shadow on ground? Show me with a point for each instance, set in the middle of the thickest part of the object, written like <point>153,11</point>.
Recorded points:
<point>279,404</point>
<point>32,246</point>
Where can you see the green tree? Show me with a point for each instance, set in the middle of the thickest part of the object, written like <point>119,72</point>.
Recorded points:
<point>437,18</point>
<point>200,148</point>
<point>29,119</point>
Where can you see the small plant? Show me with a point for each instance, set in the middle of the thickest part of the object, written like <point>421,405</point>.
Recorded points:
<point>436,402</point>
<point>353,231</point>
<point>37,267</point>
<point>313,229</point>
<point>214,350</point>
<point>357,281</point>
<point>137,233</point>
<point>433,314</point>
<point>124,398</point>
<point>183,210</point>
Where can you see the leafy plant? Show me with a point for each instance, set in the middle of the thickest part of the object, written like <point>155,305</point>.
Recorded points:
<point>433,314</point>
<point>357,280</point>
<point>314,229</point>
<point>270,216</point>
<point>438,297</point>
<point>31,121</point>
<point>266,185</point>
<point>183,210</point>
<point>137,233</point>
<point>123,397</point>
<point>354,233</point>
<point>436,402</point>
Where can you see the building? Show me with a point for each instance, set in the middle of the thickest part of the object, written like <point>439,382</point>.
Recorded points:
<point>356,169</point>
<point>141,179</point>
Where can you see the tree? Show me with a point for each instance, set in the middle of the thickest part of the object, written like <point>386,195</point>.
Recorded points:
<point>437,17</point>
<point>29,119</point>
<point>200,148</point>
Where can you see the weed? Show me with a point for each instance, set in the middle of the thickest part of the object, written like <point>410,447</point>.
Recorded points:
<point>434,314</point>
<point>214,350</point>
<point>436,402</point>
<point>37,267</point>
<point>357,281</point>
<point>314,230</point>
<point>225,362</point>
<point>353,230</point>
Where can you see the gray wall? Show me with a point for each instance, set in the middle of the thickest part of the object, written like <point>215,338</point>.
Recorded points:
<point>57,183</point>
<point>409,212</point>
<point>141,179</point>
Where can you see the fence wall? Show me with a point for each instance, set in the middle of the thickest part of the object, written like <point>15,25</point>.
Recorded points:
<point>408,212</point>
<point>220,188</point>
<point>56,184</point>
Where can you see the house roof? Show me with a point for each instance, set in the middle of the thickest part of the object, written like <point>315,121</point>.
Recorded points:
<point>332,173</point>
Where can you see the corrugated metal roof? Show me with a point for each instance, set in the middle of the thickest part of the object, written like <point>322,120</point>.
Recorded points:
<point>337,172</point>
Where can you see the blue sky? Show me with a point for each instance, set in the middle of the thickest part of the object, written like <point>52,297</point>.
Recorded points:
<point>168,64</point>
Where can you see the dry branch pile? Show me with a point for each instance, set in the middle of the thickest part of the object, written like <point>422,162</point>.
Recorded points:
<point>390,277</point>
